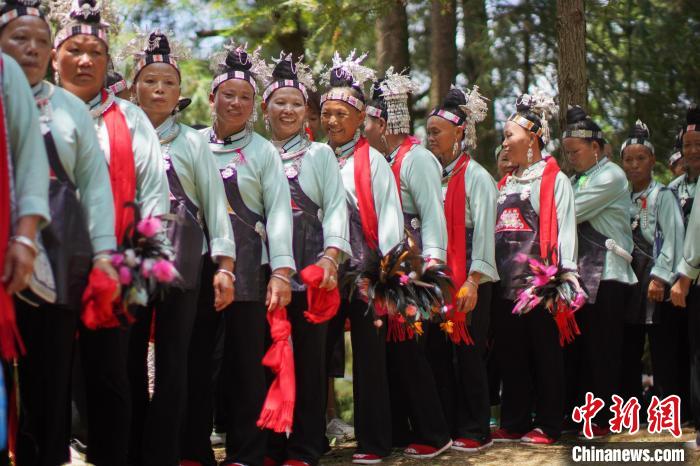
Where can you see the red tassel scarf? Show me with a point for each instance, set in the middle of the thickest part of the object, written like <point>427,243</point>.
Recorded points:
<point>365,198</point>
<point>98,306</point>
<point>405,146</point>
<point>11,345</point>
<point>322,304</point>
<point>278,410</point>
<point>455,211</point>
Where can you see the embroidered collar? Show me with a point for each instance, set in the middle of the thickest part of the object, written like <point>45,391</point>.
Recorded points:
<point>292,144</point>
<point>646,192</point>
<point>346,150</point>
<point>233,142</point>
<point>168,131</point>
<point>447,171</point>
<point>97,106</point>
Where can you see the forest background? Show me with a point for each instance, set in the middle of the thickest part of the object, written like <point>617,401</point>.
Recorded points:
<point>620,59</point>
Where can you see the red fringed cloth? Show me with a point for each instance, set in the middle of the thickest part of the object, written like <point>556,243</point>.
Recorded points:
<point>99,311</point>
<point>455,211</point>
<point>11,345</point>
<point>278,410</point>
<point>405,146</point>
<point>322,304</point>
<point>365,198</point>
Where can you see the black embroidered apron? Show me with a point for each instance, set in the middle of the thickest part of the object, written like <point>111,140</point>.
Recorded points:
<point>361,252</point>
<point>250,274</point>
<point>66,238</point>
<point>307,235</point>
<point>642,310</point>
<point>517,232</point>
<point>591,258</point>
<point>185,232</point>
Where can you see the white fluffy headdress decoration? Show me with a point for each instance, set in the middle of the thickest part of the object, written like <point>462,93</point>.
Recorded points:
<point>541,105</point>
<point>349,68</point>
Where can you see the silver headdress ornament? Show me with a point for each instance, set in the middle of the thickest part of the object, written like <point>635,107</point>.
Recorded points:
<point>142,46</point>
<point>65,12</point>
<point>544,107</point>
<point>302,70</point>
<point>644,141</point>
<point>395,89</point>
<point>476,110</point>
<point>18,8</point>
<point>350,67</point>
<point>218,60</point>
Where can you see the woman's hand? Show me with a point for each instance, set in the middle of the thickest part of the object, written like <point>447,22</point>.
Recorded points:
<point>279,289</point>
<point>224,287</point>
<point>467,296</point>
<point>656,290</point>
<point>105,265</point>
<point>329,264</point>
<point>680,290</point>
<point>18,267</point>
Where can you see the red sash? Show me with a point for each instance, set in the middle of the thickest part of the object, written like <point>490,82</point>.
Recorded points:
<point>405,146</point>
<point>455,208</point>
<point>549,225</point>
<point>122,171</point>
<point>10,340</point>
<point>365,199</point>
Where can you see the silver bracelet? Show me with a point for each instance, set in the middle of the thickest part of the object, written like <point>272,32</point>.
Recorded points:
<point>473,283</point>
<point>102,256</point>
<point>331,260</point>
<point>25,241</point>
<point>281,277</point>
<point>229,273</point>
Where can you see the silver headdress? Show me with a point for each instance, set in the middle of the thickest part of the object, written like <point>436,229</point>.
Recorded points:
<point>153,47</point>
<point>541,105</point>
<point>91,17</point>
<point>235,62</point>
<point>395,88</point>
<point>300,76</point>
<point>14,9</point>
<point>476,108</point>
<point>346,73</point>
<point>639,135</point>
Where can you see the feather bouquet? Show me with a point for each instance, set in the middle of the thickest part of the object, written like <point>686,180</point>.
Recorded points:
<point>557,290</point>
<point>397,286</point>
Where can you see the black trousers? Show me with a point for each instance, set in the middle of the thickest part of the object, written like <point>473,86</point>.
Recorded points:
<point>370,386</point>
<point>532,368</point>
<point>668,345</point>
<point>44,373</point>
<point>594,359</point>
<point>199,413</point>
<point>417,413</point>
<point>157,421</point>
<point>693,309</point>
<point>309,343</point>
<point>104,355</point>
<point>461,373</point>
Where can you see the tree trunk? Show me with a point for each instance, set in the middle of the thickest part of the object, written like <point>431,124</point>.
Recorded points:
<point>391,31</point>
<point>477,66</point>
<point>571,36</point>
<point>443,48</point>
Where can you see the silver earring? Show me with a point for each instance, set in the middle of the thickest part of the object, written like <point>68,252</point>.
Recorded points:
<point>529,154</point>
<point>56,78</point>
<point>267,124</point>
<point>596,157</point>
<point>455,149</point>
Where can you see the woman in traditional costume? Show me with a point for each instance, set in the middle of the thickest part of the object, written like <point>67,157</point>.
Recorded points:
<point>535,222</point>
<point>197,198</point>
<point>80,225</point>
<point>418,419</point>
<point>470,208</point>
<point>376,226</point>
<point>137,174</point>
<point>657,231</point>
<point>259,209</point>
<point>604,260</point>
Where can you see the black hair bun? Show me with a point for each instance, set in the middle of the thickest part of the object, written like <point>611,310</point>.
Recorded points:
<point>454,99</point>
<point>113,77</point>
<point>86,11</point>
<point>284,69</point>
<point>639,131</point>
<point>692,117</point>
<point>8,5</point>
<point>575,114</point>
<point>377,93</point>
<point>158,44</point>
<point>238,60</point>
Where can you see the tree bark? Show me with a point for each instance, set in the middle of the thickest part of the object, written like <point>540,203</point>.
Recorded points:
<point>443,48</point>
<point>571,37</point>
<point>391,31</point>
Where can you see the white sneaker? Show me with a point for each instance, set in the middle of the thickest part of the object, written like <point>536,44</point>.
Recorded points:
<point>340,429</point>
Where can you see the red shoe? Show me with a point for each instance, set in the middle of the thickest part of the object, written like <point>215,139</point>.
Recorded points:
<point>470,445</point>
<point>366,458</point>
<point>295,463</point>
<point>598,432</point>
<point>270,462</point>
<point>537,437</point>
<point>419,451</point>
<point>502,435</point>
